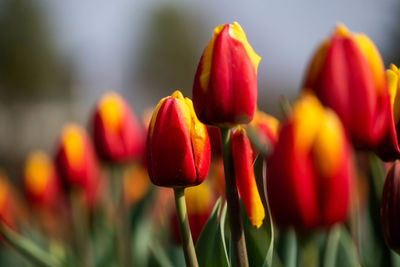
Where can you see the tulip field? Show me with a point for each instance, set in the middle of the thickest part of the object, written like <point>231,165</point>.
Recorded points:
<point>211,180</point>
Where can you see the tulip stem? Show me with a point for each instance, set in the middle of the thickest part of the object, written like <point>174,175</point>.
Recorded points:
<point>290,248</point>
<point>232,197</point>
<point>121,224</point>
<point>184,228</point>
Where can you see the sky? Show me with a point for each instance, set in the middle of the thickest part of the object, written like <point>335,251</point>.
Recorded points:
<point>98,35</point>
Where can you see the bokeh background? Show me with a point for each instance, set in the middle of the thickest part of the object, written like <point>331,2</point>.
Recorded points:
<point>58,57</point>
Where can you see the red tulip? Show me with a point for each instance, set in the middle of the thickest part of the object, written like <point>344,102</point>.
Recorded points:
<point>266,129</point>
<point>225,85</point>
<point>347,75</point>
<point>390,208</point>
<point>116,131</point>
<point>41,181</point>
<point>309,172</point>
<point>77,163</point>
<point>242,158</point>
<point>178,148</point>
<point>7,202</point>
<point>388,148</point>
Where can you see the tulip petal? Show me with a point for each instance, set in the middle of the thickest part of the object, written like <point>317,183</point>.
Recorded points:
<point>242,156</point>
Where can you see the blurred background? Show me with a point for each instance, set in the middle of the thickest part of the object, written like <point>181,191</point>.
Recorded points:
<point>58,57</point>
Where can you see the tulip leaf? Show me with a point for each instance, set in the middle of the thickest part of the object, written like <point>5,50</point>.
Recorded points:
<point>259,167</point>
<point>210,247</point>
<point>29,250</point>
<point>346,252</point>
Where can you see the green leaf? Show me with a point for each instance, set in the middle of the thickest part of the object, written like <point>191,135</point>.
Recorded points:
<point>30,250</point>
<point>211,247</point>
<point>266,231</point>
<point>346,253</point>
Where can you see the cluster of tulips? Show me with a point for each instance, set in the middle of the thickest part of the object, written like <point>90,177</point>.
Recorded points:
<point>316,176</point>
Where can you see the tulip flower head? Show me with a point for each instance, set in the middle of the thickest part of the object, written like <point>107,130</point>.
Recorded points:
<point>242,157</point>
<point>41,180</point>
<point>390,216</point>
<point>7,202</point>
<point>76,161</point>
<point>388,148</point>
<point>267,127</point>
<point>347,75</point>
<point>308,174</point>
<point>178,148</point>
<point>116,131</point>
<point>225,84</point>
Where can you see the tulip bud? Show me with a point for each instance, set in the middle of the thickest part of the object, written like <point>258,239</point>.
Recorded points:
<point>77,163</point>
<point>390,212</point>
<point>199,201</point>
<point>242,158</point>
<point>347,75</point>
<point>266,126</point>
<point>225,84</point>
<point>116,132</point>
<point>308,174</point>
<point>7,202</point>
<point>388,148</point>
<point>41,180</point>
<point>178,148</point>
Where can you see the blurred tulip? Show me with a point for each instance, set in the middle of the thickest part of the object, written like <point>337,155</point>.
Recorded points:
<point>136,183</point>
<point>178,148</point>
<point>41,181</point>
<point>116,132</point>
<point>266,127</point>
<point>309,172</point>
<point>242,158</point>
<point>7,202</point>
<point>199,201</point>
<point>77,163</point>
<point>390,208</point>
<point>388,148</point>
<point>225,85</point>
<point>347,75</point>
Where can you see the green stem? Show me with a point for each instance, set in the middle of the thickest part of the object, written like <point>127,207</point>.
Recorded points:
<point>232,197</point>
<point>331,248</point>
<point>290,248</point>
<point>121,225</point>
<point>184,228</point>
<point>79,227</point>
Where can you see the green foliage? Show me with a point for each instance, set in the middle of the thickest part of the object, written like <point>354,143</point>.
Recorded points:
<point>211,247</point>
